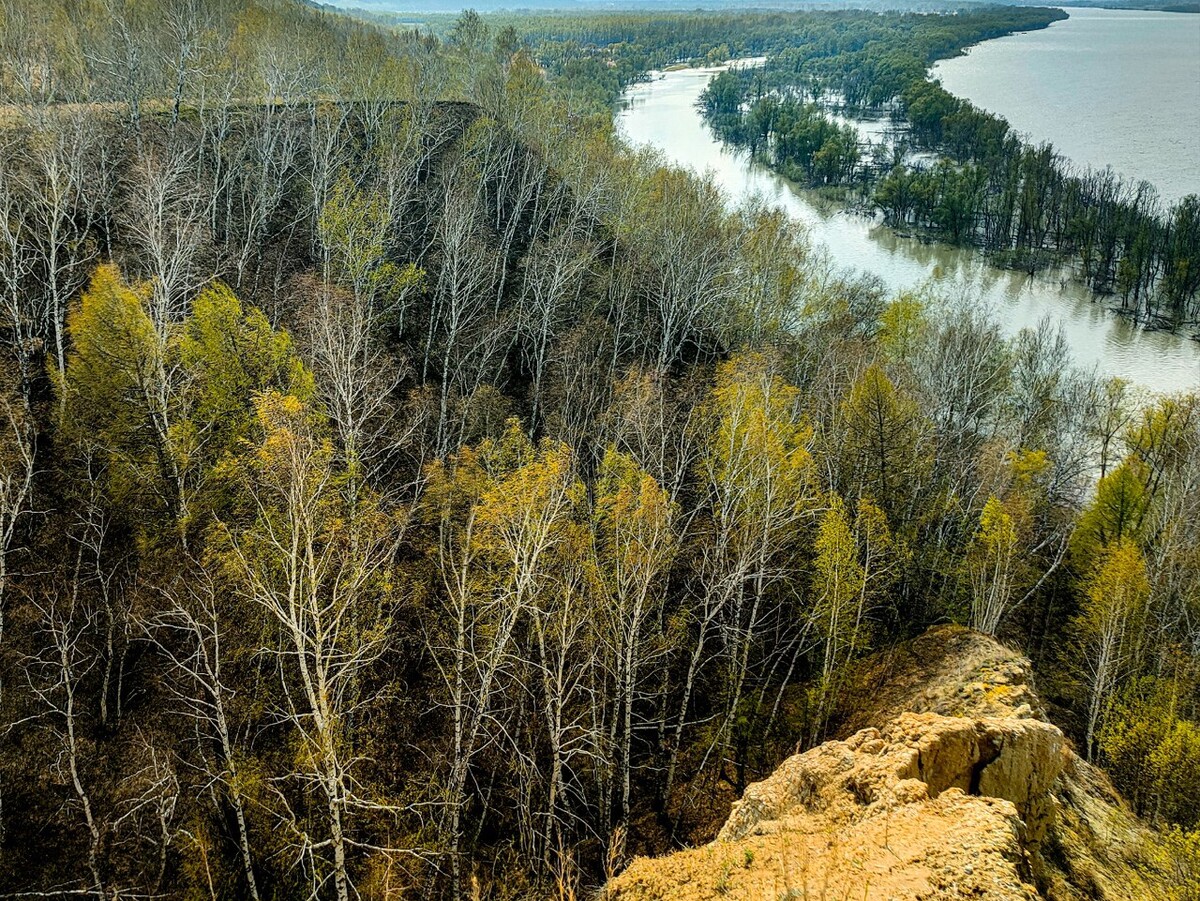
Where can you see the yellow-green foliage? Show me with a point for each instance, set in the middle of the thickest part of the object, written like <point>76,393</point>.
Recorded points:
<point>990,564</point>
<point>1153,753</point>
<point>1110,627</point>
<point>116,399</point>
<point>232,355</point>
<point>1118,510</point>
<point>158,405</point>
<point>115,355</point>
<point>857,562</point>
<point>756,455</point>
<point>903,325</point>
<point>354,227</point>
<point>880,423</point>
<point>774,286</point>
<point>1117,591</point>
<point>633,520</point>
<point>506,492</point>
<point>1178,854</point>
<point>839,579</point>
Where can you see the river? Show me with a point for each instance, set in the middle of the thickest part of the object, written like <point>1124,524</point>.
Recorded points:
<point>662,113</point>
<point>1108,87</point>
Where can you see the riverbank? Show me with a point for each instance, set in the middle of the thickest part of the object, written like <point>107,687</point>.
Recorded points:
<point>662,113</point>
<point>975,180</point>
<point>1107,87</point>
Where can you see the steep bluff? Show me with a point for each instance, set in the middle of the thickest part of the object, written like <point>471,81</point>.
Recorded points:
<point>953,785</point>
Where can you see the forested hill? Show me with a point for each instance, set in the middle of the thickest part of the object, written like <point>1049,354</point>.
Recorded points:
<point>408,490</point>
<point>605,51</point>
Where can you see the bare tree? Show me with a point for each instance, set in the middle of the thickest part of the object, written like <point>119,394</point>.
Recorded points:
<point>756,468</point>
<point>16,488</point>
<point>189,26</point>
<point>553,281</point>
<point>55,676</point>
<point>463,339</point>
<point>60,186</point>
<point>496,554</point>
<point>17,468</point>
<point>164,215</point>
<point>149,811</point>
<point>634,544</point>
<point>561,656</point>
<point>688,270</point>
<point>190,635</point>
<point>121,48</point>
<point>270,153</point>
<point>18,261</point>
<point>358,375</point>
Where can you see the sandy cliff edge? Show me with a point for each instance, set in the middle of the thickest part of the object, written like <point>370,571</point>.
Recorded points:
<point>953,785</point>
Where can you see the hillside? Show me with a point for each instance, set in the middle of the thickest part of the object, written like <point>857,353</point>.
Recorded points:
<point>410,490</point>
<point>961,789</point>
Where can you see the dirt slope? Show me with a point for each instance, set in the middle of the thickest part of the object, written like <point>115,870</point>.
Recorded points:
<point>953,786</point>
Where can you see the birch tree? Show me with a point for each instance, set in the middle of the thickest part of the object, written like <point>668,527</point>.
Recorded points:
<point>1114,607</point>
<point>755,464</point>
<point>361,302</point>
<point>55,676</point>
<point>857,562</point>
<point>635,544</point>
<point>319,572</point>
<point>991,564</point>
<point>191,636</point>
<point>500,512</point>
<point>60,185</point>
<point>164,217</point>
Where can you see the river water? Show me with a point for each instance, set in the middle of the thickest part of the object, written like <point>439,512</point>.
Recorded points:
<point>662,113</point>
<point>1108,87</point>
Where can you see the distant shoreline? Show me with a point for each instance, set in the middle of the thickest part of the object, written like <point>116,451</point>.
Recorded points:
<point>1133,7</point>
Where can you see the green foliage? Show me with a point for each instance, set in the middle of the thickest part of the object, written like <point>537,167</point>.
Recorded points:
<point>881,424</point>
<point>1118,511</point>
<point>1153,752</point>
<point>839,582</point>
<point>116,357</point>
<point>232,355</point>
<point>354,227</point>
<point>117,399</point>
<point>739,473</point>
<point>161,408</point>
<point>634,527</point>
<point>990,564</point>
<point>756,455</point>
<point>1177,853</point>
<point>1110,628</point>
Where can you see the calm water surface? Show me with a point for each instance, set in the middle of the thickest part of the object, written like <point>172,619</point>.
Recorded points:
<point>1106,87</point>
<point>662,113</point>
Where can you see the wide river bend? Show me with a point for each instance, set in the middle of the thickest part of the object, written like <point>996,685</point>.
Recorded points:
<point>663,113</point>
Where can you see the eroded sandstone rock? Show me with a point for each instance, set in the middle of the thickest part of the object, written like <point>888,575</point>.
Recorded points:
<point>958,790</point>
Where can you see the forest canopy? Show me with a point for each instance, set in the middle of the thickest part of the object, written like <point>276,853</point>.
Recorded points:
<point>407,488</point>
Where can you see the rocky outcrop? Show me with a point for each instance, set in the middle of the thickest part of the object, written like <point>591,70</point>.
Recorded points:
<point>914,758</point>
<point>960,790</point>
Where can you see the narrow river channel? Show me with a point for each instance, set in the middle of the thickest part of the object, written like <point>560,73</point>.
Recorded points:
<point>662,113</point>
